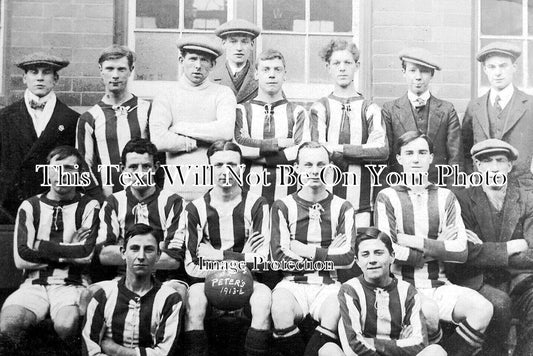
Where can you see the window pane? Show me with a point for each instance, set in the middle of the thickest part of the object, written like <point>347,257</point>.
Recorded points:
<point>284,15</point>
<point>246,10</point>
<point>331,16</point>
<point>157,14</point>
<point>157,56</point>
<point>519,74</point>
<point>530,16</point>
<point>500,17</point>
<point>318,72</point>
<point>205,14</point>
<point>293,49</point>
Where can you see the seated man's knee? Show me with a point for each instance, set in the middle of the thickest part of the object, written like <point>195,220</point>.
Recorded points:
<point>480,308</point>
<point>430,309</point>
<point>15,318</point>
<point>433,350</point>
<point>330,349</point>
<point>178,287</point>
<point>66,321</point>
<point>282,309</point>
<point>330,313</point>
<point>196,299</point>
<point>261,299</point>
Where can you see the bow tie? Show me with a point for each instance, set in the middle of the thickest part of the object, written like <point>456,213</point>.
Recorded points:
<point>37,106</point>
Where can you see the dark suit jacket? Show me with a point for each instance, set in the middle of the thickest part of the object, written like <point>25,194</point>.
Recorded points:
<point>489,260</point>
<point>518,130</point>
<point>21,150</point>
<point>248,91</point>
<point>444,130</point>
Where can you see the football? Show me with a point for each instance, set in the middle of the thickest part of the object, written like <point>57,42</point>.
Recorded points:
<point>229,289</point>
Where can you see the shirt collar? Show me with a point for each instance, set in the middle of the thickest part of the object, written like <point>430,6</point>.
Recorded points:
<point>28,95</point>
<point>504,94</point>
<point>412,96</point>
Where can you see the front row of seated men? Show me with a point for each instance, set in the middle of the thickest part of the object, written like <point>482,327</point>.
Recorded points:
<point>378,313</point>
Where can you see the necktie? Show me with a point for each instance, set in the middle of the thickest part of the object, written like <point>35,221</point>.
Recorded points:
<point>57,219</point>
<point>36,105</point>
<point>419,103</point>
<point>269,112</point>
<point>344,134</point>
<point>497,105</point>
<point>140,212</point>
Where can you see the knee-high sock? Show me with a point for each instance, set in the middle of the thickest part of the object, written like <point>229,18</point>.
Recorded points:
<point>257,342</point>
<point>289,342</point>
<point>465,341</point>
<point>195,343</point>
<point>320,337</point>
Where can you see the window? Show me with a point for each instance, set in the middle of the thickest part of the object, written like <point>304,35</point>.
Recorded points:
<point>509,21</point>
<point>298,28</point>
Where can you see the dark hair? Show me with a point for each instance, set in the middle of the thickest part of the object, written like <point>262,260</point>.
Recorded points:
<point>339,45</point>
<point>140,146</point>
<point>270,54</point>
<point>212,57</point>
<point>419,66</point>
<point>372,233</point>
<point>311,144</point>
<point>116,52</point>
<point>410,136</point>
<point>65,151</point>
<point>139,229</point>
<point>222,145</point>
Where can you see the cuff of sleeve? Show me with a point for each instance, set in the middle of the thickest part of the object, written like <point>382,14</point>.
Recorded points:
<point>320,254</point>
<point>230,255</point>
<point>140,351</point>
<point>269,146</point>
<point>49,250</point>
<point>352,150</point>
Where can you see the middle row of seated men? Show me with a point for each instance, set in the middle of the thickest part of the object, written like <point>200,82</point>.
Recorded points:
<point>57,231</point>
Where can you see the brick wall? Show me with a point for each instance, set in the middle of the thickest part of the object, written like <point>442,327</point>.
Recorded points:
<point>443,27</point>
<point>77,30</point>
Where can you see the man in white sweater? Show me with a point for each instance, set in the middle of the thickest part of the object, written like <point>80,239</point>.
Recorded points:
<point>191,115</point>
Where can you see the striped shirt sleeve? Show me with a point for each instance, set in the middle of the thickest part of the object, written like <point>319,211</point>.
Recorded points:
<point>192,241</point>
<point>168,329</point>
<point>342,256</point>
<point>385,220</point>
<point>175,232</point>
<point>252,148</point>
<point>85,140</point>
<point>350,327</point>
<point>94,327</point>
<point>76,249</point>
<point>318,120</point>
<point>280,234</point>
<point>416,341</point>
<point>376,146</point>
<point>109,231</point>
<point>23,239</point>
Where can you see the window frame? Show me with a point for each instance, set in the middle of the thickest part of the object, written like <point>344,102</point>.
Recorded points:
<point>298,91</point>
<point>524,38</point>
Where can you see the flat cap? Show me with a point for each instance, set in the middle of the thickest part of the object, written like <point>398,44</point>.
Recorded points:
<point>419,56</point>
<point>493,145</point>
<point>237,26</point>
<point>505,48</point>
<point>206,44</point>
<point>41,58</point>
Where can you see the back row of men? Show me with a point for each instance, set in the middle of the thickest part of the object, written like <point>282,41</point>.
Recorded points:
<point>269,130</point>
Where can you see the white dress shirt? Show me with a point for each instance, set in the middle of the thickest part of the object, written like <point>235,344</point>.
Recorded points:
<point>40,118</point>
<point>505,95</point>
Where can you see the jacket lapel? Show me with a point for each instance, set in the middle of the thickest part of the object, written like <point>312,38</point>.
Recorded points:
<point>435,117</point>
<point>248,86</point>
<point>25,124</point>
<point>481,114</point>
<point>511,212</point>
<point>483,213</point>
<point>405,117</point>
<point>516,111</point>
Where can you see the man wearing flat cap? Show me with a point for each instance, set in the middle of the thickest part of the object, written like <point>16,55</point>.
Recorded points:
<point>419,110</point>
<point>193,113</point>
<point>29,129</point>
<point>237,72</point>
<point>504,112</point>
<point>500,265</point>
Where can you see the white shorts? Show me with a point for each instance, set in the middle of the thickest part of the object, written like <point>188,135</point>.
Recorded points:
<point>43,300</point>
<point>310,297</point>
<point>446,297</point>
